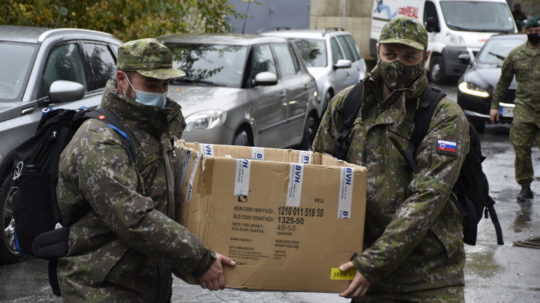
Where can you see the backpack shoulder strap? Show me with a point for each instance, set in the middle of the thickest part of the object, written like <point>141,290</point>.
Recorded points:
<point>428,102</point>
<point>348,112</point>
<point>116,124</point>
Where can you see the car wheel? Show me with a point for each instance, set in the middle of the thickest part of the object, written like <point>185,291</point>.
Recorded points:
<point>437,73</point>
<point>242,138</point>
<point>8,251</point>
<point>310,130</point>
<point>478,124</point>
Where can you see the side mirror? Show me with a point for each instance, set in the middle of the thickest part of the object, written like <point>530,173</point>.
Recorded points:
<point>432,25</point>
<point>265,79</point>
<point>464,58</point>
<point>343,64</point>
<point>65,91</point>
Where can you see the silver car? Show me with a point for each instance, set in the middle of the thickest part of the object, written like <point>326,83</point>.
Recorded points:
<point>42,67</point>
<point>331,56</point>
<point>243,90</point>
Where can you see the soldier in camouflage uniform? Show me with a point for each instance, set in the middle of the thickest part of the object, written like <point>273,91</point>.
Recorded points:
<point>524,63</point>
<point>123,244</point>
<point>413,239</point>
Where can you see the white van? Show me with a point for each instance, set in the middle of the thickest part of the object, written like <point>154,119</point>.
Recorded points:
<point>457,28</point>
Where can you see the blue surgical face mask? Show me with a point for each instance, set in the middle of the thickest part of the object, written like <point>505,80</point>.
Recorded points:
<point>149,98</point>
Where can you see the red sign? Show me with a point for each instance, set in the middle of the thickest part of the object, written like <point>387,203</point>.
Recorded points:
<point>409,11</point>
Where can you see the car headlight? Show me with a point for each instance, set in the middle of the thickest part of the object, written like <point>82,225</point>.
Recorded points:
<point>473,90</point>
<point>205,120</point>
<point>456,40</point>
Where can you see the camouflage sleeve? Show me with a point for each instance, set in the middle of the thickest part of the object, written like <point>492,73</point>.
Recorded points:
<point>327,134</point>
<point>108,181</point>
<point>430,190</point>
<point>507,74</point>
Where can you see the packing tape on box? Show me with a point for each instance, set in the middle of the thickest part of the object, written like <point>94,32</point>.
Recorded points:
<point>305,157</point>
<point>207,149</point>
<point>296,179</point>
<point>241,179</point>
<point>345,193</point>
<point>257,153</point>
<point>189,191</point>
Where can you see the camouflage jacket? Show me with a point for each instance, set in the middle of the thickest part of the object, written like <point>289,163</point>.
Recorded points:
<point>126,236</point>
<point>523,62</point>
<point>413,233</point>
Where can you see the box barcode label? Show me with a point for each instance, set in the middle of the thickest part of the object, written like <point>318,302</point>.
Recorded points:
<point>257,153</point>
<point>345,193</point>
<point>338,275</point>
<point>207,149</point>
<point>241,179</point>
<point>294,191</point>
<point>305,157</point>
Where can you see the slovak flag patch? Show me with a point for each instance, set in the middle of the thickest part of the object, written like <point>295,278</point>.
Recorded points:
<point>447,147</point>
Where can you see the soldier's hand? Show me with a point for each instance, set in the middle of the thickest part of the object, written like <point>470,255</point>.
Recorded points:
<point>213,278</point>
<point>493,115</point>
<point>358,286</point>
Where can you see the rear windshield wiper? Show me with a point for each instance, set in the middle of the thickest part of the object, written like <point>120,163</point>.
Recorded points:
<point>501,57</point>
<point>192,81</point>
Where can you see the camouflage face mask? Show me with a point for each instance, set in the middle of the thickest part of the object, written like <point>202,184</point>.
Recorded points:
<point>397,75</point>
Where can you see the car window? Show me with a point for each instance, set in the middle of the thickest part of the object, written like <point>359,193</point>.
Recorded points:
<point>262,61</point>
<point>353,47</point>
<point>14,71</point>
<point>346,49</point>
<point>101,65</point>
<point>336,51</point>
<point>64,63</point>
<point>313,51</point>
<point>496,50</point>
<point>287,66</point>
<point>209,64</point>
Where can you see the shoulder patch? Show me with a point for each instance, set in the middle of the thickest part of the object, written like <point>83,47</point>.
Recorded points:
<point>447,147</point>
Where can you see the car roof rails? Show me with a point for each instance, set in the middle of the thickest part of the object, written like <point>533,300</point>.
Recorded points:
<point>333,29</point>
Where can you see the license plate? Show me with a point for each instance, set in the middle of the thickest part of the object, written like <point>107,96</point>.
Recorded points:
<point>507,112</point>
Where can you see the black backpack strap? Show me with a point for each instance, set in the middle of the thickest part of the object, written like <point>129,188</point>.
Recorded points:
<point>495,219</point>
<point>428,102</point>
<point>349,112</point>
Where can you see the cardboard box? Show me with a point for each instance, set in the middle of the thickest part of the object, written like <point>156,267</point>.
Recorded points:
<point>288,218</point>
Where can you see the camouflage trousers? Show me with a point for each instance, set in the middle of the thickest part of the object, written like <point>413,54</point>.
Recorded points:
<point>453,294</point>
<point>523,135</point>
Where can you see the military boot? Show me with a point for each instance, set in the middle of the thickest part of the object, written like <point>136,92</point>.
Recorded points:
<point>525,193</point>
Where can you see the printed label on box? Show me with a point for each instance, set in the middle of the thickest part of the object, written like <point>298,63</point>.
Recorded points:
<point>241,180</point>
<point>207,149</point>
<point>296,178</point>
<point>257,153</point>
<point>345,193</point>
<point>305,157</point>
<point>192,177</point>
<point>338,275</point>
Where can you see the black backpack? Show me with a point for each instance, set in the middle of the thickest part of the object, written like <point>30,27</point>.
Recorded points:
<point>32,183</point>
<point>471,189</point>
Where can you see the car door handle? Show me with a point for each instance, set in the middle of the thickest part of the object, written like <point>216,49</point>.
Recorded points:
<point>27,110</point>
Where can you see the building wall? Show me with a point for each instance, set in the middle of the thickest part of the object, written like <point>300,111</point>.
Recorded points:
<point>352,15</point>
<point>267,14</point>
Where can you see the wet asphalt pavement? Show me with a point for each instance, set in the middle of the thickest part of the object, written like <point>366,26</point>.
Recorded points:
<point>494,274</point>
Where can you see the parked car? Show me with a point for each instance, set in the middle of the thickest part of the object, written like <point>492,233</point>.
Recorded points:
<point>243,90</point>
<point>331,56</point>
<point>41,67</point>
<point>476,86</point>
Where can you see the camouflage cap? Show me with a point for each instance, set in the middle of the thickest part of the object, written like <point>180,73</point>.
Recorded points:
<point>149,58</point>
<point>532,22</point>
<point>405,31</point>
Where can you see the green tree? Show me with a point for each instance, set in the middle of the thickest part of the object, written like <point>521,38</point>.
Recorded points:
<point>126,19</point>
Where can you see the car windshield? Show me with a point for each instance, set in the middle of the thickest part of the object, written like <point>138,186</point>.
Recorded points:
<point>496,50</point>
<point>14,67</point>
<point>477,16</point>
<point>313,51</point>
<point>219,65</point>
